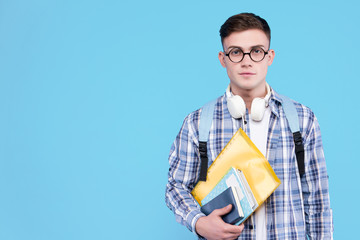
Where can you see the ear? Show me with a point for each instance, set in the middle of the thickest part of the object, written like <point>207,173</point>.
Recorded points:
<point>221,57</point>
<point>271,56</point>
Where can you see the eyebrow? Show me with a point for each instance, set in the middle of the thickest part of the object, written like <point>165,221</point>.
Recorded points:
<point>230,47</point>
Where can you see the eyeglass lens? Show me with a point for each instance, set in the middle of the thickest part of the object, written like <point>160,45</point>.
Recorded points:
<point>256,54</point>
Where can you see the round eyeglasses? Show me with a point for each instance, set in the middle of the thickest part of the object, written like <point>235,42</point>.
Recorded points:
<point>256,54</point>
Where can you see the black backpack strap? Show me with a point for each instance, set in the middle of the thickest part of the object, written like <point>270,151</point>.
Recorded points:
<point>206,118</point>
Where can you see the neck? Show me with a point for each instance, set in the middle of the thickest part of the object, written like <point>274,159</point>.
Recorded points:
<point>248,95</point>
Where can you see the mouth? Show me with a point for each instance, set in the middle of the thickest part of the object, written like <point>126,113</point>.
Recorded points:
<point>247,74</point>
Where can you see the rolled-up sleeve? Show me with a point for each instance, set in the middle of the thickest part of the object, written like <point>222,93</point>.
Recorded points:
<point>315,186</point>
<point>183,174</point>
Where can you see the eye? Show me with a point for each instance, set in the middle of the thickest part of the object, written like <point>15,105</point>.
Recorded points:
<point>257,50</point>
<point>235,52</point>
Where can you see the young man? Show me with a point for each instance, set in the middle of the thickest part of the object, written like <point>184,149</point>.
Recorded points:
<point>300,206</point>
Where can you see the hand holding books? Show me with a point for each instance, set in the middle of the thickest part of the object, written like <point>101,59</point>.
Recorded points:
<point>212,227</point>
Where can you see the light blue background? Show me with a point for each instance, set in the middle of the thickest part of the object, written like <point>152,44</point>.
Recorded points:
<point>92,94</point>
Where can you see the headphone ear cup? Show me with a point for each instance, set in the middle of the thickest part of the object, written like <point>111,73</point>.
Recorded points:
<point>236,106</point>
<point>258,106</point>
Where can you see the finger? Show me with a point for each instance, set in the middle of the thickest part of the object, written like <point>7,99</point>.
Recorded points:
<point>242,226</point>
<point>232,236</point>
<point>222,211</point>
<point>233,229</point>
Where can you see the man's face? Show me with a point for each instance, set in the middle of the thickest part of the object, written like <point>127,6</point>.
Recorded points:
<point>246,75</point>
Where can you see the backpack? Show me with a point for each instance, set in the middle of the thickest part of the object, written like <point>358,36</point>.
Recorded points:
<point>206,118</point>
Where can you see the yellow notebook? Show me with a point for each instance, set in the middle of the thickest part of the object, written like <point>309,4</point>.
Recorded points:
<point>240,153</point>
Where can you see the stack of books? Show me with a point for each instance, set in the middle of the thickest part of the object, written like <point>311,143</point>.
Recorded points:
<point>241,176</point>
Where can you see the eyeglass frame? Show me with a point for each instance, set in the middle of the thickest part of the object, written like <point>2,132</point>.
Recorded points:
<point>244,53</point>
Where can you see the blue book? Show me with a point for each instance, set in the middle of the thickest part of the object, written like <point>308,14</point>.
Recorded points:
<point>236,179</point>
<point>229,196</point>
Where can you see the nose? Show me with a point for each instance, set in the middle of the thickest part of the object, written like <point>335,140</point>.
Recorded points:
<point>246,60</point>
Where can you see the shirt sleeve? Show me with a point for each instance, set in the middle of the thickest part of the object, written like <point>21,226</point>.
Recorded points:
<point>183,174</point>
<point>315,186</point>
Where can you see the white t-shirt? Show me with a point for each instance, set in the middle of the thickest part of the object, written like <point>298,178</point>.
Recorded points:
<point>259,134</point>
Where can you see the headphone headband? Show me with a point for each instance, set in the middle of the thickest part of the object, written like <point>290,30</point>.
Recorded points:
<point>237,108</point>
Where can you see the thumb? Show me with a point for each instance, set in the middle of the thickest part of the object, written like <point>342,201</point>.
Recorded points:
<point>223,211</point>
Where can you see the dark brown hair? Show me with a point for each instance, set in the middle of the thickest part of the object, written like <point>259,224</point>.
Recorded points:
<point>242,22</point>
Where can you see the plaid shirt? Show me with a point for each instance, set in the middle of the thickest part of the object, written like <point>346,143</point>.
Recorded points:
<point>298,207</point>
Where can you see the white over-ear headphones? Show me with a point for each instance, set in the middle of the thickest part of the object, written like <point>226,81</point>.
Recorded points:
<point>237,107</point>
